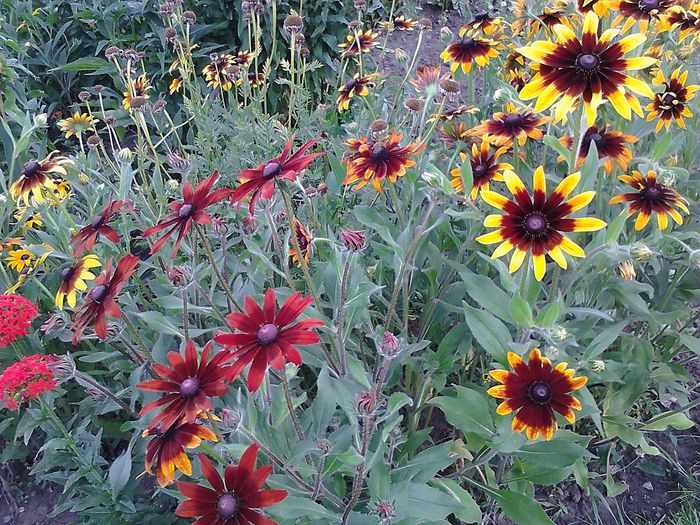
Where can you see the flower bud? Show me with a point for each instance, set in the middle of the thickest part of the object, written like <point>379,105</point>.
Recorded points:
<point>559,333</point>
<point>366,402</point>
<point>84,96</point>
<point>94,141</point>
<point>627,271</point>
<point>353,239</point>
<point>322,188</point>
<point>172,184</point>
<point>384,510</point>
<point>598,365</point>
<point>667,178</point>
<point>293,24</point>
<point>400,55</point>
<point>249,225</point>
<point>170,34</point>
<point>125,155</point>
<point>445,33</point>
<point>431,179</point>
<point>390,347</point>
<point>323,445</point>
<point>640,251</point>
<point>41,120</point>
<point>230,419</point>
<point>189,17</point>
<point>83,178</point>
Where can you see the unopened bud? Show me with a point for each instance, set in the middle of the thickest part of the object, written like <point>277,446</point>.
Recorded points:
<point>391,346</point>
<point>640,251</point>
<point>559,333</point>
<point>598,365</point>
<point>125,155</point>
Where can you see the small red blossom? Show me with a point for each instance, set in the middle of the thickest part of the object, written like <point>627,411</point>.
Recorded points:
<point>16,316</point>
<point>260,181</point>
<point>190,210</point>
<point>88,236</point>
<point>353,239</point>
<point>26,379</point>
<point>268,337</point>
<point>188,385</point>
<point>101,299</point>
<point>232,499</point>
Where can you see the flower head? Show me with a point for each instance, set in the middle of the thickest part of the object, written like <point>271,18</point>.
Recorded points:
<point>535,391</point>
<point>685,18</point>
<point>268,335</point>
<point>591,67</point>
<point>20,259</point>
<point>191,210</point>
<point>73,280</point>
<point>642,11</point>
<point>100,301</point>
<point>353,239</point>
<point>216,73</point>
<point>166,449</point>
<point>514,123</point>
<point>26,379</point>
<point>243,58</point>
<point>537,224</point>
<point>304,240</point>
<point>138,88</point>
<point>470,48</point>
<point>650,198</point>
<point>672,103</point>
<point>610,146</point>
<point>357,86</point>
<point>235,498</point>
<point>188,385</point>
<point>35,180</point>
<point>16,316</point>
<point>428,79</point>
<point>88,235</point>
<point>485,168</point>
<point>260,181</point>
<point>78,124</point>
<point>482,21</point>
<point>399,23</point>
<point>378,160</point>
<point>599,7</point>
<point>358,42</point>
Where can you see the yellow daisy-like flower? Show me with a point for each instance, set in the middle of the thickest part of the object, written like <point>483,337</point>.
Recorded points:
<point>672,103</point>
<point>175,85</point>
<point>138,88</point>
<point>686,19</point>
<point>61,191</point>
<point>78,124</point>
<point>591,67</point>
<point>358,42</point>
<point>35,182</point>
<point>651,198</point>
<point>20,259</point>
<point>537,225</point>
<point>27,271</point>
<point>73,280</point>
<point>33,220</point>
<point>470,48</point>
<point>217,72</point>
<point>642,11</point>
<point>357,86</point>
<point>485,168</point>
<point>535,391</point>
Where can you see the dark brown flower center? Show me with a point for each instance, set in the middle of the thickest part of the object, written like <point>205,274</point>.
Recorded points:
<point>185,211</point>
<point>97,221</point>
<point>480,170</point>
<point>271,169</point>
<point>596,137</point>
<point>228,506</point>
<point>190,387</point>
<point>652,193</point>
<point>379,153</point>
<point>588,61</point>
<point>66,274</point>
<point>31,168</point>
<point>98,293</point>
<point>468,41</point>
<point>267,334</point>
<point>513,120</point>
<point>669,99</point>
<point>648,5</point>
<point>535,224</point>
<point>481,15</point>
<point>540,392</point>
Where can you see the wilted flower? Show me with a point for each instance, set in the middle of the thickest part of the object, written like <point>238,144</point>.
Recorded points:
<point>293,24</point>
<point>78,124</point>
<point>627,271</point>
<point>189,17</point>
<point>353,239</point>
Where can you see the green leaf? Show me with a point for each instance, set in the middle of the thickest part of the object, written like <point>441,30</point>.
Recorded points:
<point>678,421</point>
<point>120,472</point>
<point>557,146</point>
<point>423,502</point>
<point>487,294</point>
<point>521,311</point>
<point>489,332</point>
<point>371,218</point>
<point>615,227</point>
<point>467,176</point>
<point>548,315</point>
<point>470,511</point>
<point>83,64</point>
<point>159,323</point>
<point>523,510</point>
<point>468,410</point>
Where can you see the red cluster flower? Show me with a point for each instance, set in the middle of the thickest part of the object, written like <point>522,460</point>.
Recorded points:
<point>16,316</point>
<point>26,379</point>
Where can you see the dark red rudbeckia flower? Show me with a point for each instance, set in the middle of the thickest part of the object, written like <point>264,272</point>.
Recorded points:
<point>535,390</point>
<point>260,181</point>
<point>188,385</point>
<point>167,449</point>
<point>101,299</point>
<point>191,209</point>
<point>610,146</point>
<point>233,499</point>
<point>268,337</point>
<point>86,238</point>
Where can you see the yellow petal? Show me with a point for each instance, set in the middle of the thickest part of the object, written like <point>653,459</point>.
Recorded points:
<point>571,247</point>
<point>491,238</point>
<point>662,220</point>
<point>642,220</point>
<point>580,201</point>
<point>503,249</point>
<point>558,257</point>
<point>588,224</point>
<point>566,186</point>
<point>539,265</point>
<point>539,180</point>
<point>516,260</point>
<point>619,102</point>
<point>493,221</point>
<point>515,185</point>
<point>494,199</point>
<point>499,375</point>
<point>631,42</point>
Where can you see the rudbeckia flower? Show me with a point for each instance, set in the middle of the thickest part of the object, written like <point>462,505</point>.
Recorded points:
<point>216,73</point>
<point>73,280</point>
<point>356,43</point>
<point>138,88</point>
<point>20,259</point>
<point>87,237</point>
<point>357,86</point>
<point>400,23</point>
<point>550,16</point>
<point>235,498</point>
<point>672,103</point>
<point>482,21</point>
<point>167,447</point>
<point>513,124</point>
<point>642,11</point>
<point>31,264</point>
<point>650,198</point>
<point>260,181</point>
<point>485,168</point>
<point>452,113</point>
<point>378,160</point>
<point>610,146</point>
<point>256,79</point>
<point>599,7</point>
<point>175,85</point>
<point>187,385</point>
<point>537,224</point>
<point>687,19</point>
<point>269,336</point>
<point>452,132</point>
<point>78,124</point>
<point>191,210</point>
<point>428,79</point>
<point>470,48</point>
<point>35,181</point>
<point>243,58</point>
<point>589,67</point>
<point>304,239</point>
<point>535,391</point>
<point>100,301</point>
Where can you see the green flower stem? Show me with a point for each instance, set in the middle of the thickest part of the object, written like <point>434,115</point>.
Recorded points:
<point>277,243</point>
<point>139,339</point>
<point>290,406</point>
<point>215,269</point>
